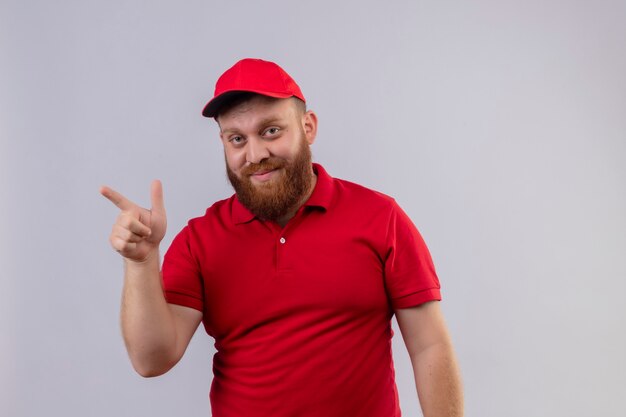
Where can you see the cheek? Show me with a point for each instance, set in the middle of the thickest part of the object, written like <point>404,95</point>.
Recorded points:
<point>234,160</point>
<point>287,149</point>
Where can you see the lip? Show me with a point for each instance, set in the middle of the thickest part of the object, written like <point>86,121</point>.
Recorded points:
<point>263,172</point>
<point>264,175</point>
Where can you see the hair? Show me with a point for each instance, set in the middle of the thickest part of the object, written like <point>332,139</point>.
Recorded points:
<point>237,99</point>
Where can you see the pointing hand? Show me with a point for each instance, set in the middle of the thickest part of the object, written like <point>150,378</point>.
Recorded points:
<point>138,231</point>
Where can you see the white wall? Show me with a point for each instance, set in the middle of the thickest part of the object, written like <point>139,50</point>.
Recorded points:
<point>499,126</point>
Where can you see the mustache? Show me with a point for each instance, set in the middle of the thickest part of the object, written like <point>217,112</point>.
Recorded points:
<point>268,164</point>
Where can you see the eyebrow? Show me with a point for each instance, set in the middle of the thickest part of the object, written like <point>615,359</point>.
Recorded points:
<point>263,122</point>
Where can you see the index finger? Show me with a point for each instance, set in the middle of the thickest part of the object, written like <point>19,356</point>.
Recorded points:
<point>116,198</point>
<point>156,195</point>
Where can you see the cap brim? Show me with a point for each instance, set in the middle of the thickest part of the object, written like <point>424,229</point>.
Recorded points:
<point>212,107</point>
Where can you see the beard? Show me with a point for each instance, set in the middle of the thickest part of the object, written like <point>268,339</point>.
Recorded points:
<point>274,199</point>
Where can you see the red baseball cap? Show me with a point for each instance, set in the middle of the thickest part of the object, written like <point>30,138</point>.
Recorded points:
<point>254,76</point>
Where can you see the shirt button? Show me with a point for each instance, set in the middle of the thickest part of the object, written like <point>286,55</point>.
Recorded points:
<point>282,240</point>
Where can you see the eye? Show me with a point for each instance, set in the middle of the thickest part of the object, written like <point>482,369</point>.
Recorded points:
<point>272,131</point>
<point>237,140</point>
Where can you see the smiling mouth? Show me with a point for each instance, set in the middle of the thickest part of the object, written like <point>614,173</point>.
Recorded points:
<point>264,175</point>
<point>263,172</point>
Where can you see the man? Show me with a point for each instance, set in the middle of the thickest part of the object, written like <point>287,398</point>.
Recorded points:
<point>296,276</point>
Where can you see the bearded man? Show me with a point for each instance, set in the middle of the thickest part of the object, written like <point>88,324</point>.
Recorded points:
<point>296,277</point>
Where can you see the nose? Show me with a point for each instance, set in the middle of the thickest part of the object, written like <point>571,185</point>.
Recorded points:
<point>256,151</point>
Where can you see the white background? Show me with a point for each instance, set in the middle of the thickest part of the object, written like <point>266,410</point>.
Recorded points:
<point>499,126</point>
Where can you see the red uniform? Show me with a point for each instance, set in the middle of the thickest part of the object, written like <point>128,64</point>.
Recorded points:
<point>301,314</point>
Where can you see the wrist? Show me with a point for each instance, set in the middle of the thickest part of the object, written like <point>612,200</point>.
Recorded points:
<point>147,261</point>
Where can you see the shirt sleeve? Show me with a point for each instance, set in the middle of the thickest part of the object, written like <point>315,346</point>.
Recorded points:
<point>182,281</point>
<point>410,275</point>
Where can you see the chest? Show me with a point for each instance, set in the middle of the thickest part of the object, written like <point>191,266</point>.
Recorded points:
<point>264,276</point>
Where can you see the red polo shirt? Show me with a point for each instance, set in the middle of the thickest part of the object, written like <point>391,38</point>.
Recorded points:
<point>301,314</point>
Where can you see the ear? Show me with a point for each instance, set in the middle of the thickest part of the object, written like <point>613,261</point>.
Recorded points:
<point>309,125</point>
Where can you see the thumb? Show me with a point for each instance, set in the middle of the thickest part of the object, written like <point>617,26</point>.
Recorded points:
<point>156,197</point>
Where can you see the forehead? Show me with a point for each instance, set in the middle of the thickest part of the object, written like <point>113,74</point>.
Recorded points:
<point>255,110</point>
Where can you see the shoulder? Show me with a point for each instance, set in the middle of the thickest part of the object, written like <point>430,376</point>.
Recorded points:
<point>353,193</point>
<point>218,213</point>
<point>367,206</point>
<point>207,229</point>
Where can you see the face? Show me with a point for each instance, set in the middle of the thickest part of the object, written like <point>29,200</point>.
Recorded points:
<point>268,159</point>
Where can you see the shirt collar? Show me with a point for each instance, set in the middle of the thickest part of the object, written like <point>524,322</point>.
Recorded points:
<point>321,197</point>
<point>323,192</point>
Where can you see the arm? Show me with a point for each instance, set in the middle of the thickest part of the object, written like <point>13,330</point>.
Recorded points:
<point>156,333</point>
<point>435,368</point>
